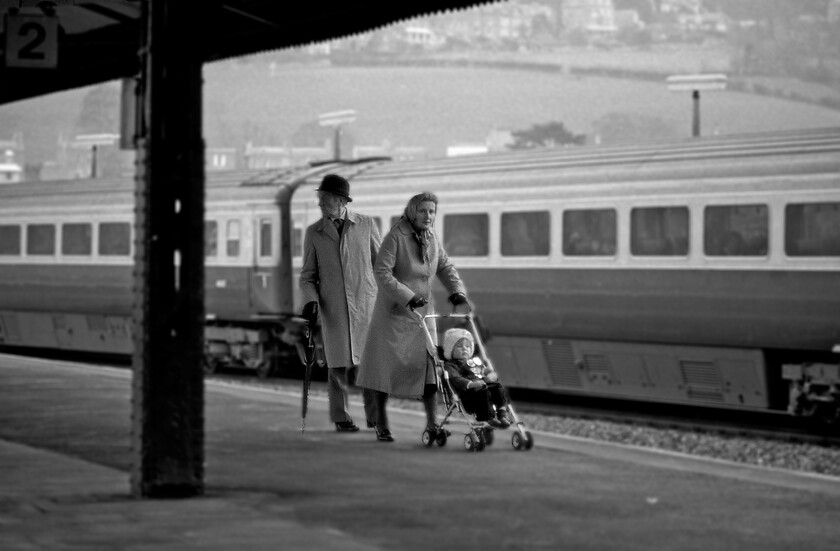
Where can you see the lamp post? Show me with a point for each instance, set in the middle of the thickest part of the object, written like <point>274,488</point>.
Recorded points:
<point>694,84</point>
<point>336,119</point>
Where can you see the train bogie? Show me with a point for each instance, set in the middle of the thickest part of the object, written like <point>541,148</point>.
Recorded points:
<point>814,391</point>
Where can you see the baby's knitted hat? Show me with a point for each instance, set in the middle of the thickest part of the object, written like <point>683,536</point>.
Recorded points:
<point>451,337</point>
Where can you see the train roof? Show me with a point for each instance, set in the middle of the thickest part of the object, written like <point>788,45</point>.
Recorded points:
<point>772,155</point>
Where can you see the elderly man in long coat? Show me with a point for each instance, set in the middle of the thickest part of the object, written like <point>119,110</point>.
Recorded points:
<point>339,251</point>
<point>396,359</point>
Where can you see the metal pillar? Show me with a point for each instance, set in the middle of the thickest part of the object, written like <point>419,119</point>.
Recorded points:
<point>168,385</point>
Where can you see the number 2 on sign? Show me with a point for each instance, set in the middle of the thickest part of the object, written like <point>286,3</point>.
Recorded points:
<point>31,41</point>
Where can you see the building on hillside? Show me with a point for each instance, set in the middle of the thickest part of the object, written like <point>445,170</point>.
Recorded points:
<point>268,157</point>
<point>461,149</point>
<point>423,37</point>
<point>13,151</point>
<point>10,173</point>
<point>493,22</point>
<point>395,153</point>
<point>704,22</point>
<point>220,158</point>
<point>591,16</point>
<point>100,156</point>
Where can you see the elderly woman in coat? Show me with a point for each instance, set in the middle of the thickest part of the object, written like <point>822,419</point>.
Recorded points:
<point>395,358</point>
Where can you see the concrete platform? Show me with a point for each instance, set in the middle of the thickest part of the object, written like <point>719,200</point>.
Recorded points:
<point>65,457</point>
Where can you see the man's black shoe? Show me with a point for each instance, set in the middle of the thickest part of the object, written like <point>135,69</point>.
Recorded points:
<point>346,426</point>
<point>384,435</point>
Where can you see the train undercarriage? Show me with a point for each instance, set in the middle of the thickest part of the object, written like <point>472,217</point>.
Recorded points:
<point>267,347</point>
<point>814,391</point>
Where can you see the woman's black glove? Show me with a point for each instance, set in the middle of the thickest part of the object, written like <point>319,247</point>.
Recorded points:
<point>457,299</point>
<point>417,302</point>
<point>310,313</point>
<point>460,299</point>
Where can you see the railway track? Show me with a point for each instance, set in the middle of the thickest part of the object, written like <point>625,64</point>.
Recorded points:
<point>772,426</point>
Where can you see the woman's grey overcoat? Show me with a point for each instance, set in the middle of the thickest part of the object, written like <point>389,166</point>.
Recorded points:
<point>339,275</point>
<point>395,356</point>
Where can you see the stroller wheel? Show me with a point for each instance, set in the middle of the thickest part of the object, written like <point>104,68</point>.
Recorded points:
<point>529,440</point>
<point>441,438</point>
<point>427,438</point>
<point>470,443</point>
<point>517,441</point>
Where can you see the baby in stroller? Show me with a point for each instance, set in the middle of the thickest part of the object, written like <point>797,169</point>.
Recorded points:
<point>476,383</point>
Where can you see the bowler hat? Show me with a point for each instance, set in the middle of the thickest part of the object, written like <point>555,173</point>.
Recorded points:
<point>335,184</point>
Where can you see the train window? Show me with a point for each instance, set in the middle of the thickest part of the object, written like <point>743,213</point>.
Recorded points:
<point>590,232</point>
<point>659,231</point>
<point>114,239</point>
<point>9,240</point>
<point>233,234</point>
<point>525,233</point>
<point>812,229</point>
<point>736,230</point>
<point>265,238</point>
<point>76,239</point>
<point>211,238</point>
<point>466,234</point>
<point>40,239</point>
<point>297,242</point>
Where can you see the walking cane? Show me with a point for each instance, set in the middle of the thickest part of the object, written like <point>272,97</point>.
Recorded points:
<point>309,361</point>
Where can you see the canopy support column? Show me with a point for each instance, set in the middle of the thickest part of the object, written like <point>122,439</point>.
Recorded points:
<point>168,384</point>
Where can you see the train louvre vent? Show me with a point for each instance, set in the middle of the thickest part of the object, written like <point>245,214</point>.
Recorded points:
<point>597,363</point>
<point>560,360</point>
<point>703,381</point>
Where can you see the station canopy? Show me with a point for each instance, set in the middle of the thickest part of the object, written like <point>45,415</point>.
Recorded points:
<point>94,41</point>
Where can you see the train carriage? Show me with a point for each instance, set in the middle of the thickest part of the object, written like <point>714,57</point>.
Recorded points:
<point>702,272</point>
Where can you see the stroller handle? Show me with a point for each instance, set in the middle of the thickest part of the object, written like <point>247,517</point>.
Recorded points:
<point>443,316</point>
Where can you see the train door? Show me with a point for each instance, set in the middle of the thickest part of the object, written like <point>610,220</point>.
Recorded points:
<point>263,271</point>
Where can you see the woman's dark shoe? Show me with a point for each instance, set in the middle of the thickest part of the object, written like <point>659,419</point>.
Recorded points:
<point>384,435</point>
<point>346,426</point>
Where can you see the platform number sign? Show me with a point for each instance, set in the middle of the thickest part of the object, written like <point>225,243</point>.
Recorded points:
<point>31,41</point>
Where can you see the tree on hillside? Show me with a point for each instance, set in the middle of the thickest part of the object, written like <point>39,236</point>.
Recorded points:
<point>551,134</point>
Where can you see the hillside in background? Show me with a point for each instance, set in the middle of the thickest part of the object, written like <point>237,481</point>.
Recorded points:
<point>431,107</point>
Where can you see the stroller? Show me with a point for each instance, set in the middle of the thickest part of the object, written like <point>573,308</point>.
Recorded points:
<point>480,433</point>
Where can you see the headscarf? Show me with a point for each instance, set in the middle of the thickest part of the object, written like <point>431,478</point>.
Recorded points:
<point>423,237</point>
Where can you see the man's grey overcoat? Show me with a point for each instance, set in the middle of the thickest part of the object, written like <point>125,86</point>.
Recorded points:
<point>395,356</point>
<point>340,278</point>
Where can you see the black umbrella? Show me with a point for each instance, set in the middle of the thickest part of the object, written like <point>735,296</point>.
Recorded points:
<point>308,362</point>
